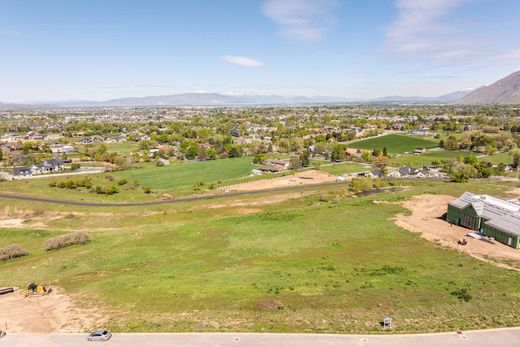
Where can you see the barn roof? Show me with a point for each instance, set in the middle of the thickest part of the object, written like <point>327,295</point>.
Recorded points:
<point>498,213</point>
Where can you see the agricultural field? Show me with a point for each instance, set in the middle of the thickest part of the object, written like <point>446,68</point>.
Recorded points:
<point>395,143</point>
<point>316,260</point>
<point>174,179</point>
<point>344,168</point>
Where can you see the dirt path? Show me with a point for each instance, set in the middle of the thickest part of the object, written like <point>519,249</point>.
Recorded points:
<point>425,219</point>
<point>299,179</point>
<point>54,312</point>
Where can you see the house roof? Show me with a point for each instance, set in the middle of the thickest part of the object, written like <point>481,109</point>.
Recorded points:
<point>498,213</point>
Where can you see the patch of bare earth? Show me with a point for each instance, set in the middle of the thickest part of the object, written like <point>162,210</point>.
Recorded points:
<point>54,312</point>
<point>515,192</point>
<point>425,218</point>
<point>243,206</point>
<point>302,178</point>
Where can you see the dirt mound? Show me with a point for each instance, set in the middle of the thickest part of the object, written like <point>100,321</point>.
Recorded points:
<point>426,218</point>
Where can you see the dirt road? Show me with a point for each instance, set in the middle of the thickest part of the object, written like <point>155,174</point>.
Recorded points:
<point>425,219</point>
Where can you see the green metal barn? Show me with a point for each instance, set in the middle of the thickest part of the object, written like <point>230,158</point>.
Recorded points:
<point>491,216</point>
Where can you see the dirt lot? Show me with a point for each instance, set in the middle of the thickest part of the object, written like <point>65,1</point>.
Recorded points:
<point>307,177</point>
<point>425,219</point>
<point>54,312</point>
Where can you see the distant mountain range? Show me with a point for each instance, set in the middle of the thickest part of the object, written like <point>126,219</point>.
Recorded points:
<point>215,99</point>
<point>504,91</point>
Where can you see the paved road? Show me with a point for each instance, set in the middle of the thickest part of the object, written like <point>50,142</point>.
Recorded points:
<point>485,338</point>
<point>172,201</point>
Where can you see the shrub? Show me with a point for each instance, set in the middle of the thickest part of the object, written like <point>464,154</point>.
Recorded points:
<point>77,238</point>
<point>12,251</point>
<point>147,190</point>
<point>462,294</point>
<point>122,182</point>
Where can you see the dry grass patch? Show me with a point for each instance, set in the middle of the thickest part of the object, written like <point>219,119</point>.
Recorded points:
<point>12,251</point>
<point>77,238</point>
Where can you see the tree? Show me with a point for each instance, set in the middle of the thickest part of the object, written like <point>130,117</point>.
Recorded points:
<point>381,163</point>
<point>202,155</point>
<point>304,159</point>
<point>463,172</point>
<point>515,154</point>
<point>338,153</point>
<point>260,159</point>
<point>385,152</point>
<point>294,163</point>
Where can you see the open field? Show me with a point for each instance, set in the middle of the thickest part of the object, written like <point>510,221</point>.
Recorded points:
<point>179,175</point>
<point>395,143</point>
<point>344,168</point>
<point>428,158</point>
<point>320,261</point>
<point>173,179</point>
<point>498,158</point>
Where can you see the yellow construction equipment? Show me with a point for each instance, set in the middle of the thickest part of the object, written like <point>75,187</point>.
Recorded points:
<point>34,289</point>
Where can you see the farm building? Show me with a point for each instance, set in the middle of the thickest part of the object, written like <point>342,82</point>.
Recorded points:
<point>491,216</point>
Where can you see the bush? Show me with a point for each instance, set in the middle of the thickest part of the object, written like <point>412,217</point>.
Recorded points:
<point>77,238</point>
<point>122,182</point>
<point>12,251</point>
<point>462,294</point>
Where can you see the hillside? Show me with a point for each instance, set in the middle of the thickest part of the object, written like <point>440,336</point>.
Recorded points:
<point>504,91</point>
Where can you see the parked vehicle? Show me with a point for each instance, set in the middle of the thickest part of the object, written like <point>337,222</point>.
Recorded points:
<point>100,335</point>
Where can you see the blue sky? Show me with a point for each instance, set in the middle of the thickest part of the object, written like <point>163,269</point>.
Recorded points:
<point>102,49</point>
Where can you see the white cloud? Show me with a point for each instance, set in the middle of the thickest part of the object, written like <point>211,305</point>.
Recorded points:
<point>421,27</point>
<point>302,20</point>
<point>242,61</point>
<point>511,55</point>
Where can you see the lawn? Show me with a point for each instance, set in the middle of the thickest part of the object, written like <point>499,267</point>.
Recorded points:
<point>394,143</point>
<point>328,262</point>
<point>122,147</point>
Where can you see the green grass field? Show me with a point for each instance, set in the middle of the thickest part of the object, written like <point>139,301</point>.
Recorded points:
<point>498,158</point>
<point>427,158</point>
<point>394,143</point>
<point>343,168</point>
<point>176,178</point>
<point>331,263</point>
<point>181,175</point>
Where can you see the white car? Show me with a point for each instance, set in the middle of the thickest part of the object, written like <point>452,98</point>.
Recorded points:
<point>100,335</point>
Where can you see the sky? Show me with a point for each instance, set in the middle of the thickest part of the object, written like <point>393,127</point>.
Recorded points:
<point>56,50</point>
